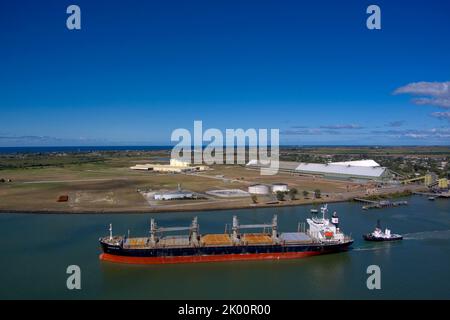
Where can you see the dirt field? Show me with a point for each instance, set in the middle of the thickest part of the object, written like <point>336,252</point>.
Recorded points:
<point>112,187</point>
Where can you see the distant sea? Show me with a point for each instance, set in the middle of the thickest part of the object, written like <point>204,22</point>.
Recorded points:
<point>9,150</point>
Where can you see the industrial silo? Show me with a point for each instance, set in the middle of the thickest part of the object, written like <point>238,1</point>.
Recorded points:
<point>282,187</point>
<point>258,189</point>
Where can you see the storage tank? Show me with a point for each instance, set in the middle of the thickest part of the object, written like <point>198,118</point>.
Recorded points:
<point>258,189</point>
<point>282,187</point>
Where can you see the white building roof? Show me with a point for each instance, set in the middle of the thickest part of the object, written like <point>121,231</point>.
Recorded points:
<point>341,169</point>
<point>287,165</point>
<point>360,163</point>
<point>366,168</point>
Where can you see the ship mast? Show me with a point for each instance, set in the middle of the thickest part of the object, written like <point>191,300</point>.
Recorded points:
<point>194,231</point>
<point>275,228</point>
<point>152,231</point>
<point>324,210</point>
<point>235,229</point>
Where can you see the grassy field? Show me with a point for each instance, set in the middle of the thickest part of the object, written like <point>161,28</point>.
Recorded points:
<point>97,187</point>
<point>103,182</point>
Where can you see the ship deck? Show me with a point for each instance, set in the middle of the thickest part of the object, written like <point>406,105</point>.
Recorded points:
<point>216,240</point>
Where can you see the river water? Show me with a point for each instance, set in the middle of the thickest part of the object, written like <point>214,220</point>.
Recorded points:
<point>36,250</point>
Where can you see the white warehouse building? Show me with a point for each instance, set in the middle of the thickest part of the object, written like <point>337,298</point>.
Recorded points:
<point>345,172</point>
<point>175,195</point>
<point>360,170</point>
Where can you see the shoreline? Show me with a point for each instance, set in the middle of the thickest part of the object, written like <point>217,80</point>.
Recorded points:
<point>188,209</point>
<point>138,211</point>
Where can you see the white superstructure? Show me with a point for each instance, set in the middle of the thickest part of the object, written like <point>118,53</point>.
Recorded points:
<point>321,229</point>
<point>378,233</point>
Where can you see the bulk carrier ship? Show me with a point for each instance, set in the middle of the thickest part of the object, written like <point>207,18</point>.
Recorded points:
<point>322,236</point>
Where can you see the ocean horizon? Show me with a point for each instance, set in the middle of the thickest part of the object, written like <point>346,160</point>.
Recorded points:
<point>51,149</point>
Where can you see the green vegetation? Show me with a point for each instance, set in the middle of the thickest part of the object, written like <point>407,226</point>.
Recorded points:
<point>280,195</point>
<point>293,193</point>
<point>102,181</point>
<point>317,194</point>
<point>32,161</point>
<point>97,159</point>
<point>389,196</point>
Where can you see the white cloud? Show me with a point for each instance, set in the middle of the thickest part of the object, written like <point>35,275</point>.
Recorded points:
<point>438,102</point>
<point>322,130</point>
<point>434,133</point>
<point>397,123</point>
<point>431,93</point>
<point>426,88</point>
<point>442,115</point>
<point>342,126</point>
<point>14,141</point>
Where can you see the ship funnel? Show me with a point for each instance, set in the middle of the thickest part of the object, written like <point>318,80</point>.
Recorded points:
<point>335,220</point>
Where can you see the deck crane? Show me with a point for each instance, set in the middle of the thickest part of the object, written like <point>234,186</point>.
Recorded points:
<point>193,231</point>
<point>236,227</point>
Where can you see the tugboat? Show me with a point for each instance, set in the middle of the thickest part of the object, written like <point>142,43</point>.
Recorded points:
<point>379,235</point>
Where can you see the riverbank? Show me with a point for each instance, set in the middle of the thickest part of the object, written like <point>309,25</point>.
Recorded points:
<point>100,184</point>
<point>227,205</point>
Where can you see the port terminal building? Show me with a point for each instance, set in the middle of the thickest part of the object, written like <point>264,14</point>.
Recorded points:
<point>174,195</point>
<point>357,171</point>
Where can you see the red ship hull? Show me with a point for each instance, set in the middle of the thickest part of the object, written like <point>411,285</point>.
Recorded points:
<point>206,258</point>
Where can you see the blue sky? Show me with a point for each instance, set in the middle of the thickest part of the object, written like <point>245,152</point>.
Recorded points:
<point>139,69</point>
